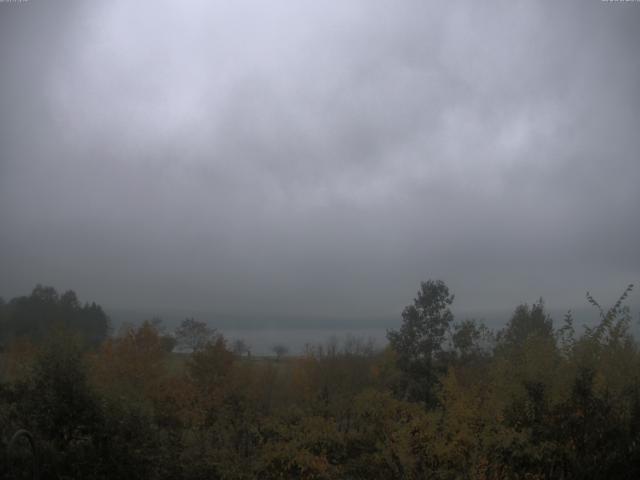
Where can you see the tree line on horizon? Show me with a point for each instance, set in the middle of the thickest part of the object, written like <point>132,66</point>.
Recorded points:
<point>37,315</point>
<point>445,399</point>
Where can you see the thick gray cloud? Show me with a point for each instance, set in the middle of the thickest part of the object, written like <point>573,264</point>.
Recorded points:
<point>319,158</point>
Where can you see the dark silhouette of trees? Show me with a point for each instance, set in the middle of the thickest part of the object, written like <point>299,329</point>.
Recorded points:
<point>39,314</point>
<point>192,335</point>
<point>471,339</point>
<point>240,347</point>
<point>526,322</point>
<point>419,342</point>
<point>280,351</point>
<point>443,400</point>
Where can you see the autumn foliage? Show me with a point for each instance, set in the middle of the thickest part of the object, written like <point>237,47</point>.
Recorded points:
<point>445,400</point>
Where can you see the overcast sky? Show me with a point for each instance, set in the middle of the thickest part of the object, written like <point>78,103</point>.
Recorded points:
<point>319,157</point>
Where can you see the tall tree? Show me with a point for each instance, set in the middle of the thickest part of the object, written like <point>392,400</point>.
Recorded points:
<point>419,342</point>
<point>193,335</point>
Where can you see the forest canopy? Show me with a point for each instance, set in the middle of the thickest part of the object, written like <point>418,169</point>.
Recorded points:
<point>37,315</point>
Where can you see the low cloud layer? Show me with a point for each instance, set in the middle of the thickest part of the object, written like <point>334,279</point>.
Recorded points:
<point>319,158</point>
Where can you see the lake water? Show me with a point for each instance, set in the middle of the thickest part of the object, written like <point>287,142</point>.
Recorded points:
<point>261,341</point>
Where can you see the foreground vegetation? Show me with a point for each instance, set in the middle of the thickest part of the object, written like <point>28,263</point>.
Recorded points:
<point>444,400</point>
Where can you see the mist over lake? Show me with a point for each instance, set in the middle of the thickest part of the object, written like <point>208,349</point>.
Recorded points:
<point>262,334</point>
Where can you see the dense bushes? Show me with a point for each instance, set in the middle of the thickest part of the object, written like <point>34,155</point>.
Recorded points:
<point>526,402</point>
